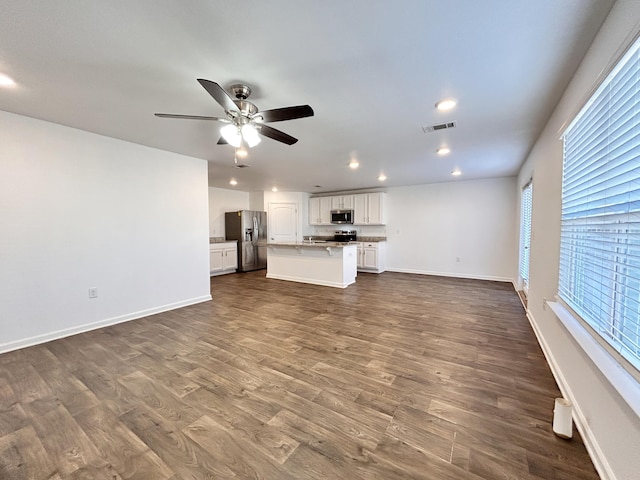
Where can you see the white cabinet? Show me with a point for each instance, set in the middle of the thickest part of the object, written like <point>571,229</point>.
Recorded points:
<point>215,260</point>
<point>360,210</point>
<point>230,258</point>
<point>369,209</point>
<point>376,212</point>
<point>320,211</point>
<point>371,257</point>
<point>223,258</point>
<point>342,202</point>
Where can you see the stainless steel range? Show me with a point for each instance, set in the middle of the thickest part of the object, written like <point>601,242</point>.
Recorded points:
<point>345,236</point>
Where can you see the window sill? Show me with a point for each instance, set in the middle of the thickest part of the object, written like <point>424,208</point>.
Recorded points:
<point>621,380</point>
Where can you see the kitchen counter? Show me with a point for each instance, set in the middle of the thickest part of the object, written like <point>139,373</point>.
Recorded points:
<point>330,264</point>
<point>220,240</point>
<point>314,244</point>
<point>363,238</point>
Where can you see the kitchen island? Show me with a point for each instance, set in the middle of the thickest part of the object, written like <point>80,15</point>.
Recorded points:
<point>331,264</point>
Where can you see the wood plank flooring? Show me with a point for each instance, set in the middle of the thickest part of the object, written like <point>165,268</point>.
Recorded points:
<point>396,377</point>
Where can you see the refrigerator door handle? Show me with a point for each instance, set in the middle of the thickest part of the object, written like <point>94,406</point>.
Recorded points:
<point>255,228</point>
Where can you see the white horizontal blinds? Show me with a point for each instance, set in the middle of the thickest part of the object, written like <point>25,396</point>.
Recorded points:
<point>600,234</point>
<point>525,234</point>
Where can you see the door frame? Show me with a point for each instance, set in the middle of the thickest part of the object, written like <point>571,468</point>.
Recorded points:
<point>296,208</point>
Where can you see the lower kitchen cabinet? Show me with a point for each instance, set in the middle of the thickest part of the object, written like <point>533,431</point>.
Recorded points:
<point>223,258</point>
<point>371,257</point>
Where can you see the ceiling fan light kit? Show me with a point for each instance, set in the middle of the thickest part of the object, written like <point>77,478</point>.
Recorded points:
<point>245,123</point>
<point>250,135</point>
<point>231,134</point>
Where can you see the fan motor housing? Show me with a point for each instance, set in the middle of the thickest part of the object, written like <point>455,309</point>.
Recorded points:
<point>240,91</point>
<point>247,109</point>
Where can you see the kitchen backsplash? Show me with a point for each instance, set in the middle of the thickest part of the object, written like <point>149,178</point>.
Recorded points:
<point>362,230</point>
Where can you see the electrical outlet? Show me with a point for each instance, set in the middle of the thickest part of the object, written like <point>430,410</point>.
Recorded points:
<point>93,292</point>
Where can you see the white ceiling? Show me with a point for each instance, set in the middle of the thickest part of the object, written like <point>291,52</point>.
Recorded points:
<point>371,69</point>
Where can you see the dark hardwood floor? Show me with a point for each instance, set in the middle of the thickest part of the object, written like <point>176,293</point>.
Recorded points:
<point>398,376</point>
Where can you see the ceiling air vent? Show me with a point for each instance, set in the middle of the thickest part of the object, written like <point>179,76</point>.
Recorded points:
<point>438,126</point>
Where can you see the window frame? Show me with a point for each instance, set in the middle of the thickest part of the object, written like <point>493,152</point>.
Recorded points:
<point>524,255</point>
<point>605,355</point>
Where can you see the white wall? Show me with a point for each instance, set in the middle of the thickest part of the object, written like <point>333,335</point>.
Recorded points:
<point>223,200</point>
<point>361,230</point>
<point>460,229</point>
<point>80,210</point>
<point>256,201</point>
<point>611,429</point>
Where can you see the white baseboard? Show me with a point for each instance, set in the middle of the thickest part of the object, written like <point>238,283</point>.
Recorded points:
<point>306,280</point>
<point>47,337</point>
<point>590,442</point>
<point>454,275</point>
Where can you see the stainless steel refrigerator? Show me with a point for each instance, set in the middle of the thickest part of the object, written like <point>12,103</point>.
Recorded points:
<point>249,228</point>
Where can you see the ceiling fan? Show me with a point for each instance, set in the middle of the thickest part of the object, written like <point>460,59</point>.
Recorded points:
<point>244,120</point>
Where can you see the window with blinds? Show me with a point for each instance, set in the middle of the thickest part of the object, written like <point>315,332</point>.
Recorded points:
<point>525,234</point>
<point>600,233</point>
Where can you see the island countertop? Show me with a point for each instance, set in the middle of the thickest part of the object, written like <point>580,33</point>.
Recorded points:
<point>313,244</point>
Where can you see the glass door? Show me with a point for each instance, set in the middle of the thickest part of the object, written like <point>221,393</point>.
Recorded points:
<point>525,236</point>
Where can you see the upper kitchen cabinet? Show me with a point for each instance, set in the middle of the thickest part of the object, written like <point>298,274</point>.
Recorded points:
<point>320,211</point>
<point>342,202</point>
<point>369,209</point>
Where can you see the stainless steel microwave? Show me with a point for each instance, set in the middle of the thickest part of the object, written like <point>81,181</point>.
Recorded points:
<point>341,216</point>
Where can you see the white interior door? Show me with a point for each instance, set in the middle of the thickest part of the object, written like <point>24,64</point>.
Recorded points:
<point>283,222</point>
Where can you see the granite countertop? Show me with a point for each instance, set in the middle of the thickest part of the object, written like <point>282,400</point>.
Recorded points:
<point>219,240</point>
<point>359,239</point>
<point>314,244</point>
<point>319,240</point>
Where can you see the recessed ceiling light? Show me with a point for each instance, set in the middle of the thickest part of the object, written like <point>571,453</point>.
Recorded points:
<point>353,164</point>
<point>382,177</point>
<point>6,81</point>
<point>443,151</point>
<point>274,189</point>
<point>456,172</point>
<point>233,182</point>
<point>447,104</point>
